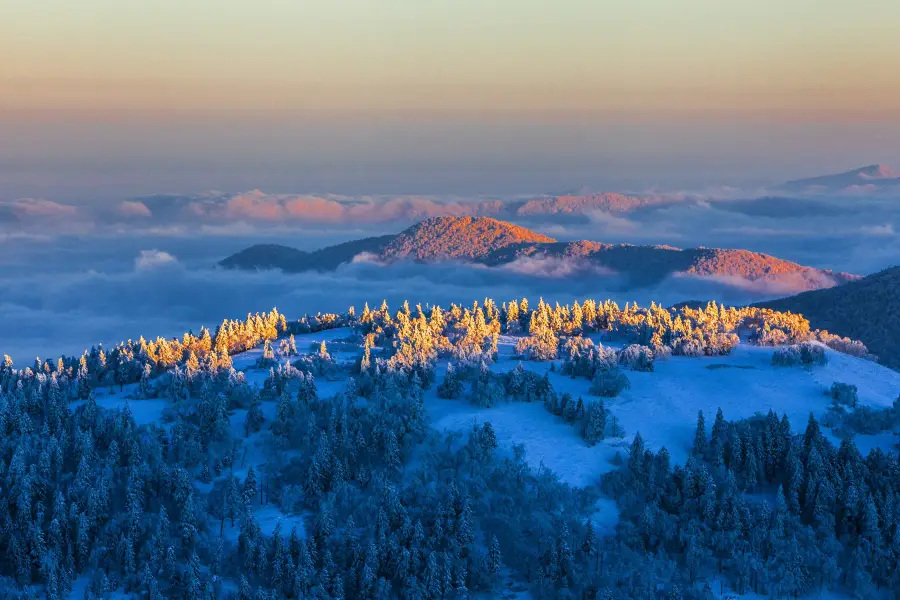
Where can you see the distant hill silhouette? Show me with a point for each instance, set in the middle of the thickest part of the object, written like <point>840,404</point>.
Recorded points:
<point>495,243</point>
<point>867,310</point>
<point>291,260</point>
<point>874,178</point>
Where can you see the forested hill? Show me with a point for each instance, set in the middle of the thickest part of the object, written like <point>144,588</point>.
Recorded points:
<point>495,243</point>
<point>867,310</point>
<point>472,451</point>
<point>459,238</point>
<point>291,260</point>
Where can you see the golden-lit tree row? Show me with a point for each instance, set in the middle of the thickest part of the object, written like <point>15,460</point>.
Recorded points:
<point>412,340</point>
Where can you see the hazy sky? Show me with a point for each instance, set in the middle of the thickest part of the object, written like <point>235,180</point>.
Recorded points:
<point>105,98</point>
<point>796,58</point>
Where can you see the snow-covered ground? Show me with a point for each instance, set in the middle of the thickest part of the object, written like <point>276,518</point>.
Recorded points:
<point>144,411</point>
<point>547,439</point>
<point>723,592</point>
<point>663,405</point>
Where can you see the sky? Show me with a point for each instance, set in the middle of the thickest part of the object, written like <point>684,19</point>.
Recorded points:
<point>797,60</point>
<point>115,99</point>
<point>118,119</point>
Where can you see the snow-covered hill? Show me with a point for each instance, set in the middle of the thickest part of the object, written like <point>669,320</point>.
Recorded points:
<point>662,405</point>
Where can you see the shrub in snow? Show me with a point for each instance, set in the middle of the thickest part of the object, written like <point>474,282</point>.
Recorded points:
<point>805,353</point>
<point>687,346</point>
<point>844,394</point>
<point>787,356</point>
<point>637,358</point>
<point>609,382</point>
<point>812,354</point>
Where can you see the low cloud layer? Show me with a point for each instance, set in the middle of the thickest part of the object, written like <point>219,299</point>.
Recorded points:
<point>258,206</point>
<point>150,293</point>
<point>855,235</point>
<point>24,209</point>
<point>73,276</point>
<point>555,268</point>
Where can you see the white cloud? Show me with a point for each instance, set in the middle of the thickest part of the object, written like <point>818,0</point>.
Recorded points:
<point>368,258</point>
<point>555,267</point>
<point>130,208</point>
<point>38,207</point>
<point>151,259</point>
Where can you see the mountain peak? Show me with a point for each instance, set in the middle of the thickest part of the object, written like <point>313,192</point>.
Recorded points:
<point>458,237</point>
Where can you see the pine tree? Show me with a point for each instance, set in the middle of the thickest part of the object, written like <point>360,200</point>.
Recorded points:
<point>494,558</point>
<point>589,547</point>
<point>451,387</point>
<point>699,448</point>
<point>254,418</point>
<point>145,387</point>
<point>392,452</point>
<point>636,459</point>
<point>251,488</point>
<point>462,590</point>
<point>244,591</point>
<point>488,438</point>
<point>595,423</point>
<point>205,475</point>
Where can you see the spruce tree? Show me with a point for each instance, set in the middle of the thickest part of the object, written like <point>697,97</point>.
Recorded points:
<point>699,448</point>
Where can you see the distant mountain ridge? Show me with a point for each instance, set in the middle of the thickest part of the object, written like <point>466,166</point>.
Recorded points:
<point>867,309</point>
<point>291,260</point>
<point>873,178</point>
<point>494,243</point>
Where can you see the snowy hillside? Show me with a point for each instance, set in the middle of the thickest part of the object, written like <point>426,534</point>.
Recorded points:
<point>663,405</point>
<point>527,451</point>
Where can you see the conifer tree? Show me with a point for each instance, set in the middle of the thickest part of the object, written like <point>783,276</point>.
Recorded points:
<point>494,558</point>
<point>699,448</point>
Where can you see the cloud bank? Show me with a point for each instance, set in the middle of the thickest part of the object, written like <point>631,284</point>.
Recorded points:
<point>75,275</point>
<point>151,293</point>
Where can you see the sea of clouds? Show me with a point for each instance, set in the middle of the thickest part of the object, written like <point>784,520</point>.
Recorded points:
<point>74,275</point>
